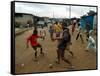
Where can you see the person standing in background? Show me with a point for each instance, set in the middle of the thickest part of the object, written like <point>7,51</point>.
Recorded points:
<point>51,31</point>
<point>87,30</point>
<point>43,33</point>
<point>79,32</point>
<point>73,26</point>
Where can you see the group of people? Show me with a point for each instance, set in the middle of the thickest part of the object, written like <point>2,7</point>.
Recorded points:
<point>60,32</point>
<point>89,35</point>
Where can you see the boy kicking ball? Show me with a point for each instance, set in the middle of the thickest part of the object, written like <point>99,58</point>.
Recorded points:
<point>64,40</point>
<point>33,42</point>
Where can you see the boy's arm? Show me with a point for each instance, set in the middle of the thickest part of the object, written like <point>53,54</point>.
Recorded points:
<point>28,39</point>
<point>57,38</point>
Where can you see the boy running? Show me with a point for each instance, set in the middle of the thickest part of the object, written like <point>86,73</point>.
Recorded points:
<point>33,42</point>
<point>73,26</point>
<point>64,41</point>
<point>79,32</point>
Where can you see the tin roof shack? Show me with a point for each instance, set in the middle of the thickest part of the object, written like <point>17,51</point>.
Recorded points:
<point>24,20</point>
<point>90,19</point>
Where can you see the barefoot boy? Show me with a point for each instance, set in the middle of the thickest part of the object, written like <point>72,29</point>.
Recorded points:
<point>64,41</point>
<point>33,42</point>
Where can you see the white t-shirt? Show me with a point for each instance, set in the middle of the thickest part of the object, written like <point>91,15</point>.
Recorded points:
<point>91,43</point>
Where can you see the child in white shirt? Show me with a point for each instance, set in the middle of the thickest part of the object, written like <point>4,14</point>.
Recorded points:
<point>91,42</point>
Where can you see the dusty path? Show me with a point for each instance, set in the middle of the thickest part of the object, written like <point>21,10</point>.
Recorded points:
<point>25,57</point>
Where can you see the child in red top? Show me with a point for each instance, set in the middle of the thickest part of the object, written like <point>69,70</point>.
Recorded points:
<point>33,42</point>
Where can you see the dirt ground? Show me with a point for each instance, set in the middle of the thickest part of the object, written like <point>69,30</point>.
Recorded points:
<point>24,58</point>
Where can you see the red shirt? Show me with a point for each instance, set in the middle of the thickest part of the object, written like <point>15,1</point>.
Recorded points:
<point>33,40</point>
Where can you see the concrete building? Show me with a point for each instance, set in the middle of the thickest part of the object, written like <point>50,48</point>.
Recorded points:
<point>22,19</point>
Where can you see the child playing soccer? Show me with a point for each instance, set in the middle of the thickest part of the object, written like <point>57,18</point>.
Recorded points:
<point>69,38</point>
<point>64,41</point>
<point>43,33</point>
<point>91,42</point>
<point>73,26</point>
<point>79,33</point>
<point>33,42</point>
<point>51,31</point>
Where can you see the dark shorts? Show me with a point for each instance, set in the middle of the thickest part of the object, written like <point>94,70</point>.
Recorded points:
<point>35,47</point>
<point>61,51</point>
<point>62,46</point>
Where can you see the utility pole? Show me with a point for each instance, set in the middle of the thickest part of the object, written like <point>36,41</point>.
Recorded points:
<point>69,14</point>
<point>69,11</point>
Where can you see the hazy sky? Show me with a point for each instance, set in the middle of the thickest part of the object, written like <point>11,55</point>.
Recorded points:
<point>57,11</point>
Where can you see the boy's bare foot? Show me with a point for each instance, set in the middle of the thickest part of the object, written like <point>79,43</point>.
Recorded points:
<point>71,67</point>
<point>57,62</point>
<point>87,50</point>
<point>42,53</point>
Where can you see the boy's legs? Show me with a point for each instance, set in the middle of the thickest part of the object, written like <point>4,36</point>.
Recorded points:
<point>41,50</point>
<point>71,53</point>
<point>58,55</point>
<point>43,36</point>
<point>35,48</point>
<point>87,48</point>
<point>81,38</point>
<point>87,35</point>
<point>51,35</point>
<point>63,58</point>
<point>59,50</point>
<point>77,36</point>
<point>68,49</point>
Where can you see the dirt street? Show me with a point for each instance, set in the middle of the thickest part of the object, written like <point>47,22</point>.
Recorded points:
<point>25,57</point>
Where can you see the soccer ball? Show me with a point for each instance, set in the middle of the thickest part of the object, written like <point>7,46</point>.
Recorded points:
<point>22,65</point>
<point>50,65</point>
